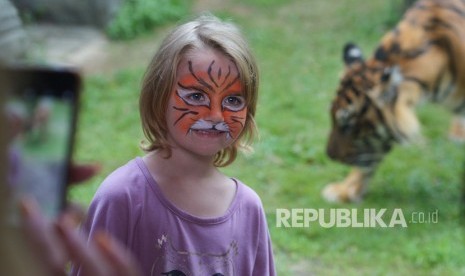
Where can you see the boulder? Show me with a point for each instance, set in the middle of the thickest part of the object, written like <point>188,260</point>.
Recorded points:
<point>72,12</point>
<point>13,40</point>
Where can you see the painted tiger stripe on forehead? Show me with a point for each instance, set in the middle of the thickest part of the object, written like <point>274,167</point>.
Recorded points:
<point>218,76</point>
<point>210,68</point>
<point>200,80</point>
<point>213,83</point>
<point>237,78</point>
<point>227,75</point>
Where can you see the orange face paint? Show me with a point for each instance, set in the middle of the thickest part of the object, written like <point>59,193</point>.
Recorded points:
<point>209,99</point>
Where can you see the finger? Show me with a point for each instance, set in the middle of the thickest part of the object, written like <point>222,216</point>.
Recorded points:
<point>41,237</point>
<point>123,263</point>
<point>75,213</point>
<point>84,255</point>
<point>33,223</point>
<point>80,173</point>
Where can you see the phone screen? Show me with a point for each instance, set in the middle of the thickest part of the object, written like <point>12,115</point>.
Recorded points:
<point>40,108</point>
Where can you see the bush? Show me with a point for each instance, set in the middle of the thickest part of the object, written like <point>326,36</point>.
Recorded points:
<point>140,16</point>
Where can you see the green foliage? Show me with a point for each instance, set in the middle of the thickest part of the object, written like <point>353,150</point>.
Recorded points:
<point>264,3</point>
<point>137,17</point>
<point>396,10</point>
<point>108,127</point>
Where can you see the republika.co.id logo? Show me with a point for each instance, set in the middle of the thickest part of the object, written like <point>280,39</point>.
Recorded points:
<point>343,217</point>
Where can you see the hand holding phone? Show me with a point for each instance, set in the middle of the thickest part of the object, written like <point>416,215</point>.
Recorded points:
<point>41,111</point>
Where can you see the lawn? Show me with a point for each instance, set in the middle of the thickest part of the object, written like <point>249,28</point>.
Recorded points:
<point>298,45</point>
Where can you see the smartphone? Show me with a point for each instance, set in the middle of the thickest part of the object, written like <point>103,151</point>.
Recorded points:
<point>40,107</point>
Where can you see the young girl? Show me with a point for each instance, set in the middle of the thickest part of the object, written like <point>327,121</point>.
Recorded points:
<point>175,211</point>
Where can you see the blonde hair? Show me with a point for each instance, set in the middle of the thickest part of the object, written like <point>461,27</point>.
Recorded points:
<point>159,80</point>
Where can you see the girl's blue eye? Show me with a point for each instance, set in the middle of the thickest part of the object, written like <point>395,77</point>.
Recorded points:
<point>234,103</point>
<point>196,96</point>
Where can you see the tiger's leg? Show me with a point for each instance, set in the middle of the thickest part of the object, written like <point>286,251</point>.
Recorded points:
<point>351,189</point>
<point>457,129</point>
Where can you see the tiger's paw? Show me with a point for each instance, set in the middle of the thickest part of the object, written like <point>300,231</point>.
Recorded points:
<point>457,129</point>
<point>342,193</point>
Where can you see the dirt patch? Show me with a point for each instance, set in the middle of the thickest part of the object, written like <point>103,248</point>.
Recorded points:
<point>136,53</point>
<point>76,46</point>
<point>88,49</point>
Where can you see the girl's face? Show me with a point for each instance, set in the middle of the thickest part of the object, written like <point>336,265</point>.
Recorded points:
<point>207,109</point>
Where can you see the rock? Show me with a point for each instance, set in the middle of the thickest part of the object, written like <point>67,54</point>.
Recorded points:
<point>73,12</point>
<point>13,40</point>
<point>82,47</point>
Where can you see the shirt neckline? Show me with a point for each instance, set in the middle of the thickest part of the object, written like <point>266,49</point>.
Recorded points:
<point>181,213</point>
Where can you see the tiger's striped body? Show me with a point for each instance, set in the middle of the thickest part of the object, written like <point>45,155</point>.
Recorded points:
<point>423,57</point>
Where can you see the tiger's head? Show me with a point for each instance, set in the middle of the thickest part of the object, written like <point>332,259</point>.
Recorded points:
<point>362,131</point>
<point>375,102</point>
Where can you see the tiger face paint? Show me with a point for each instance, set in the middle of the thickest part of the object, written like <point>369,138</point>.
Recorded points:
<point>207,102</point>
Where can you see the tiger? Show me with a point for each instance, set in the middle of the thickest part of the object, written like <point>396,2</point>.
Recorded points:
<point>421,59</point>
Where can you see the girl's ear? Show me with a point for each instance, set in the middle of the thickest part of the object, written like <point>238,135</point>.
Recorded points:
<point>352,54</point>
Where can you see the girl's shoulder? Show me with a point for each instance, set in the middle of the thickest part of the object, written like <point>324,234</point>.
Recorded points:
<point>128,178</point>
<point>247,195</point>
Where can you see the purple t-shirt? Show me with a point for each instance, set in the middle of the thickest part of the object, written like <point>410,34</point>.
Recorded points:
<point>130,205</point>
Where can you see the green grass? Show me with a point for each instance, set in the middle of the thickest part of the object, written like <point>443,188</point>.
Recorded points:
<point>138,17</point>
<point>298,45</point>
